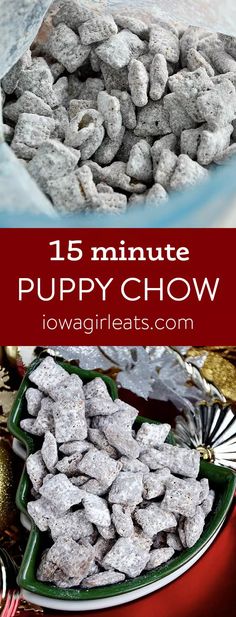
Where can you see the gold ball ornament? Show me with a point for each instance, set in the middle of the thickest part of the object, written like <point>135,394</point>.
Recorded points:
<point>7,485</point>
<point>11,354</point>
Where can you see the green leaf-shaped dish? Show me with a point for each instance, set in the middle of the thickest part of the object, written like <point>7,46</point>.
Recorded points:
<point>222,480</point>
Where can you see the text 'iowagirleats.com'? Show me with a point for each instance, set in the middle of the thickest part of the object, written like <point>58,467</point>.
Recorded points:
<point>109,323</point>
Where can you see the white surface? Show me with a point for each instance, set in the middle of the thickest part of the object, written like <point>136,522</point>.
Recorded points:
<point>93,605</point>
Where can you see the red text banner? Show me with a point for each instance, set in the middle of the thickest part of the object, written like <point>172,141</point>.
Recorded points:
<point>118,286</point>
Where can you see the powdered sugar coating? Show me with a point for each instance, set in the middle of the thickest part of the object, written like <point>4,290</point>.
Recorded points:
<point>120,48</point>
<point>44,421</point>
<point>69,465</point>
<point>49,451</point>
<point>158,77</point>
<point>73,525</point>
<point>127,489</point>
<point>47,374</point>
<point>154,519</point>
<point>61,493</point>
<point>99,465</point>
<point>52,160</point>
<point>181,496</point>
<point>109,107</point>
<point>34,398</point>
<point>155,483</point>
<point>159,556</point>
<point>127,556</point>
<point>107,515</point>
<point>149,80</point>
<point>121,517</point>
<point>96,510</point>
<point>208,502</point>
<point>164,41</point>
<point>69,418</point>
<point>73,558</point>
<point>152,435</point>
<point>36,469</point>
<point>70,388</point>
<point>97,29</point>
<point>179,460</point>
<point>109,577</point>
<point>138,83</point>
<point>193,527</point>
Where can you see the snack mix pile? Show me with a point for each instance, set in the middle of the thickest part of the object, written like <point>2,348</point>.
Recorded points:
<point>115,501</point>
<point>110,111</point>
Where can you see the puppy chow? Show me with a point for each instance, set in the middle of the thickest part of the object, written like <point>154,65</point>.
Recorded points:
<point>49,451</point>
<point>69,418</point>
<point>47,374</point>
<point>115,500</point>
<point>159,556</point>
<point>61,493</point>
<point>100,465</point>
<point>154,519</point>
<point>148,80</point>
<point>127,556</point>
<point>127,489</point>
<point>34,398</point>
<point>36,469</point>
<point>96,510</point>
<point>109,577</point>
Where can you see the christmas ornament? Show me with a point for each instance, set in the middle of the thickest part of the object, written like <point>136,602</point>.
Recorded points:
<point>7,485</point>
<point>193,367</point>
<point>176,380</point>
<point>11,354</point>
<point>229,353</point>
<point>218,370</point>
<point>211,429</point>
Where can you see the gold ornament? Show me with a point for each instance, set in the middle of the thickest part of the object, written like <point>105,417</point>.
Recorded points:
<point>11,354</point>
<point>218,371</point>
<point>229,353</point>
<point>7,485</point>
<point>206,453</point>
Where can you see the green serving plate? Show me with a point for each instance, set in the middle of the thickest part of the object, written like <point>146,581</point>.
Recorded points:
<point>222,480</point>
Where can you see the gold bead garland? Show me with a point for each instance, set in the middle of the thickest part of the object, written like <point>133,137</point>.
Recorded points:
<point>7,485</point>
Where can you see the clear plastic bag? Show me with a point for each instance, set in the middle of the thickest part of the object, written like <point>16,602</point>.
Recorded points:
<point>212,204</point>
<point>216,15</point>
<point>20,20</point>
